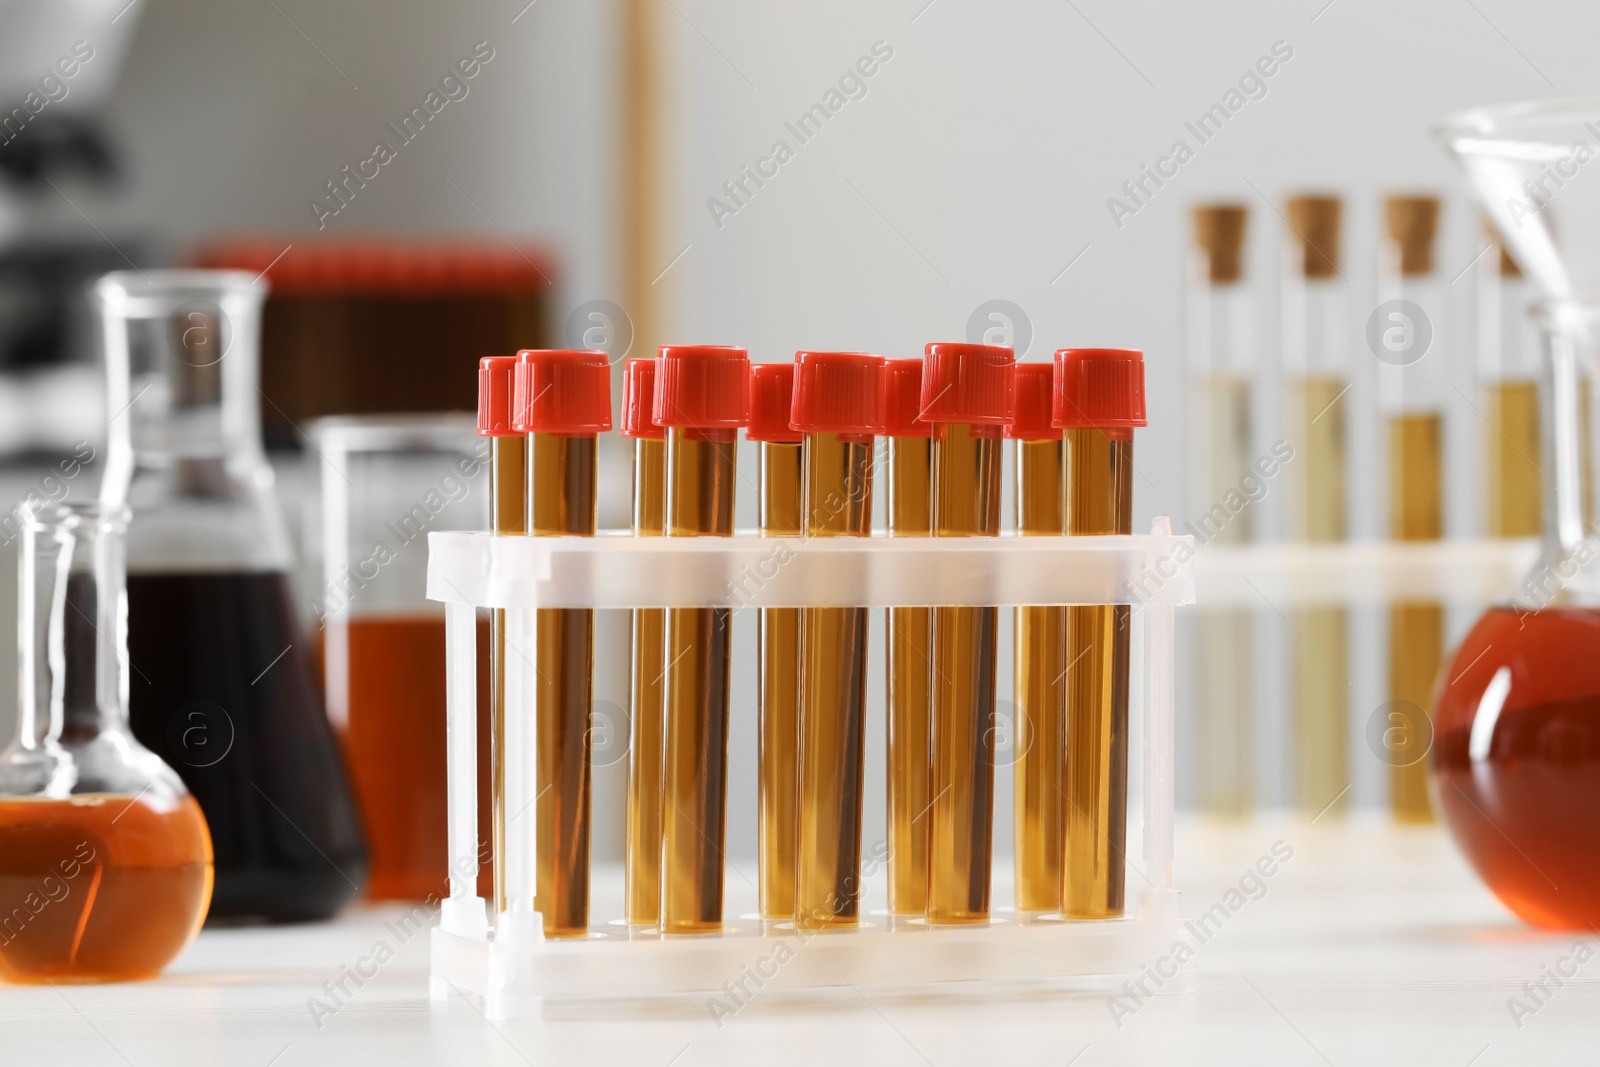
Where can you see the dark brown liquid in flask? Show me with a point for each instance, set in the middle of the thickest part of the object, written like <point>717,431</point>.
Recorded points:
<point>222,689</point>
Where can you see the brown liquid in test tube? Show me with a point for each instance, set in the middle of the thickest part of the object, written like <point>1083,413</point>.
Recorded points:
<point>563,399</point>
<point>771,397</point>
<point>836,407</point>
<point>967,393</point>
<point>1040,736</point>
<point>1099,399</point>
<point>508,516</point>
<point>702,398</point>
<point>647,747</point>
<point>910,638</point>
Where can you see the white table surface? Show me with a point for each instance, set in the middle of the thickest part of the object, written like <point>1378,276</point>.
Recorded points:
<point>1370,945</point>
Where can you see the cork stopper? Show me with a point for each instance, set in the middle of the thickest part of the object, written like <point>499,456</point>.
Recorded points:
<point>1314,225</point>
<point>1508,266</point>
<point>1412,222</point>
<point>1219,233</point>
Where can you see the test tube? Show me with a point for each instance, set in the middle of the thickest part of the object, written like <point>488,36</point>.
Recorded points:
<point>1508,363</point>
<point>778,636</point>
<point>508,487</point>
<point>563,399</point>
<point>1316,363</point>
<point>1411,391</point>
<point>702,398</point>
<point>1220,357</point>
<point>1099,399</point>
<point>910,644</point>
<point>836,407</point>
<point>1040,652</point>
<point>647,749</point>
<point>967,393</point>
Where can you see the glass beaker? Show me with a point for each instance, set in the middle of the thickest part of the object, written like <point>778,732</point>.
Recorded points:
<point>222,685</point>
<point>105,861</point>
<point>1516,720</point>
<point>387,481</point>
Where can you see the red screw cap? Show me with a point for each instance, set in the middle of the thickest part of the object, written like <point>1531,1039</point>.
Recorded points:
<point>496,376</point>
<point>703,387</point>
<point>838,392</point>
<point>771,396</point>
<point>1035,392</point>
<point>1099,388</point>
<point>972,384</point>
<point>639,399</point>
<point>562,391</point>
<point>902,399</point>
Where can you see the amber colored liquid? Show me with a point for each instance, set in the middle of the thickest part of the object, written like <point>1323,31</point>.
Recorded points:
<point>99,887</point>
<point>1099,501</point>
<point>910,672</point>
<point>778,639</point>
<point>1416,630</point>
<point>1516,760</point>
<point>647,751</point>
<point>1040,691</point>
<point>700,476</point>
<point>508,515</point>
<point>966,503</point>
<point>1515,490</point>
<point>833,697</point>
<point>395,745</point>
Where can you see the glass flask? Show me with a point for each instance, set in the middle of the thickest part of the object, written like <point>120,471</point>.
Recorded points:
<point>1516,715</point>
<point>222,685</point>
<point>105,861</point>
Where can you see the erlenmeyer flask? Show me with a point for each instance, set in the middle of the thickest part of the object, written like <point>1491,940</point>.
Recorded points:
<point>105,863</point>
<point>1516,720</point>
<point>221,680</point>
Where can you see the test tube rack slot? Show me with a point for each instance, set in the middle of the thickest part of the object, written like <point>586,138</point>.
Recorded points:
<point>503,958</point>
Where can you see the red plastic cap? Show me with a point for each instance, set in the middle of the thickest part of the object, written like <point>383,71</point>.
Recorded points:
<point>837,392</point>
<point>703,387</point>
<point>902,399</point>
<point>972,384</point>
<point>1099,388</point>
<point>1035,393</point>
<point>562,391</point>
<point>639,400</point>
<point>496,382</point>
<point>771,395</point>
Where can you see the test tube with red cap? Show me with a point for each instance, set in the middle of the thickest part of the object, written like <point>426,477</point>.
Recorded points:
<point>562,401</point>
<point>508,487</point>
<point>908,745</point>
<point>836,407</point>
<point>702,399</point>
<point>1040,647</point>
<point>647,747</point>
<point>778,638</point>
<point>1099,399</point>
<point>967,393</point>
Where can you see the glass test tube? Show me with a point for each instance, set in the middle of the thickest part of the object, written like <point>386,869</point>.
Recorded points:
<point>910,641</point>
<point>1316,362</point>
<point>1508,363</point>
<point>647,748</point>
<point>836,407</point>
<point>967,393</point>
<point>508,516</point>
<point>702,398</point>
<point>1099,399</point>
<point>1412,396</point>
<point>1221,367</point>
<point>1040,651</point>
<point>563,399</point>
<point>778,636</point>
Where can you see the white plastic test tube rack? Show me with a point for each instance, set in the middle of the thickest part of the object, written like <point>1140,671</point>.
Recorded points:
<point>504,959</point>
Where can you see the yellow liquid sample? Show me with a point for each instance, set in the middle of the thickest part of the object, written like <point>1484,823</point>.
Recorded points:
<point>1416,630</point>
<point>779,650</point>
<point>508,515</point>
<point>1099,501</point>
<point>910,673</point>
<point>647,753</point>
<point>1514,487</point>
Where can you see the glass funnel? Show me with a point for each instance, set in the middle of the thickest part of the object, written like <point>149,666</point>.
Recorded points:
<point>222,680</point>
<point>1516,719</point>
<point>105,861</point>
